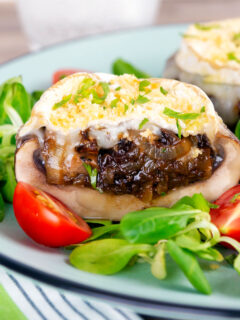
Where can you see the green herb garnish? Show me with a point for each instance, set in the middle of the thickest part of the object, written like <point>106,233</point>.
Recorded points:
<point>101,98</point>
<point>114,103</point>
<point>92,175</point>
<point>234,198</point>
<point>179,129</point>
<point>125,108</point>
<point>163,91</point>
<point>118,88</point>
<point>232,56</point>
<point>141,99</point>
<point>236,37</point>
<point>203,109</point>
<point>132,101</point>
<point>180,115</point>
<point>143,122</point>
<point>62,102</point>
<point>205,27</point>
<point>143,84</point>
<point>86,84</point>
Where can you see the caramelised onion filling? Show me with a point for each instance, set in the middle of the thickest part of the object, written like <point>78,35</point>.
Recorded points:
<point>146,167</point>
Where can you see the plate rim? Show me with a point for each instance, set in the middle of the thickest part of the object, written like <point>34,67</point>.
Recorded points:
<point>90,36</point>
<point>107,295</point>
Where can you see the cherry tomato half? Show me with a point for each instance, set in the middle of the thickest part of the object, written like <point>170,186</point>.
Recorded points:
<point>60,74</point>
<point>45,219</point>
<point>227,216</point>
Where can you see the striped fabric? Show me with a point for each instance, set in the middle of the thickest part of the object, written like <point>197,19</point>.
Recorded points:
<point>22,299</point>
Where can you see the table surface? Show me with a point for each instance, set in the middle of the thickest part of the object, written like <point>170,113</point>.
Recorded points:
<point>13,42</point>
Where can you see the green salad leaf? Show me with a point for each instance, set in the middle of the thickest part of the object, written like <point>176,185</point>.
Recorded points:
<point>154,224</point>
<point>184,232</point>
<point>106,256</point>
<point>190,267</point>
<point>121,66</point>
<point>15,109</point>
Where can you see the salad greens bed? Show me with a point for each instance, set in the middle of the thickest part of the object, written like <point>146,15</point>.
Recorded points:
<point>15,109</point>
<point>184,231</point>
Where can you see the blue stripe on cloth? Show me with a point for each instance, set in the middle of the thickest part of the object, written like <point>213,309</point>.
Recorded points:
<point>97,310</point>
<point>24,293</point>
<point>73,308</point>
<point>122,313</point>
<point>50,303</point>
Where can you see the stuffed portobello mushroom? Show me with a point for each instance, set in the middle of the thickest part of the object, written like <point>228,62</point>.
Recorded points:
<point>209,57</point>
<point>106,145</point>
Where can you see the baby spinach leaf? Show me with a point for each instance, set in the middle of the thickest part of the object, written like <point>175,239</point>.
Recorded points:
<point>106,256</point>
<point>9,187</point>
<point>36,95</point>
<point>21,101</point>
<point>120,67</point>
<point>154,224</point>
<point>197,201</point>
<point>190,267</point>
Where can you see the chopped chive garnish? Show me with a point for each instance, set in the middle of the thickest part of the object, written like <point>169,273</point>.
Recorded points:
<point>143,84</point>
<point>62,102</point>
<point>203,109</point>
<point>132,101</point>
<point>232,56</point>
<point>205,27</point>
<point>143,122</point>
<point>179,129</point>
<point>92,175</point>
<point>104,108</point>
<point>235,197</point>
<point>163,91</point>
<point>236,36</point>
<point>163,194</point>
<point>86,84</point>
<point>76,98</point>
<point>118,88</point>
<point>114,103</point>
<point>142,99</point>
<point>96,97</point>
<point>125,108</point>
<point>62,76</point>
<point>180,115</point>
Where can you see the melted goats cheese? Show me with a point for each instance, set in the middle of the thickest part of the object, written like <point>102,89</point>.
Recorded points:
<point>212,50</point>
<point>128,103</point>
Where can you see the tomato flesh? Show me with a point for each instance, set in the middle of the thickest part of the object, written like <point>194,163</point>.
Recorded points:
<point>227,216</point>
<point>47,220</point>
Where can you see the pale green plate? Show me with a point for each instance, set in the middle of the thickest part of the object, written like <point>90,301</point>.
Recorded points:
<point>136,287</point>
